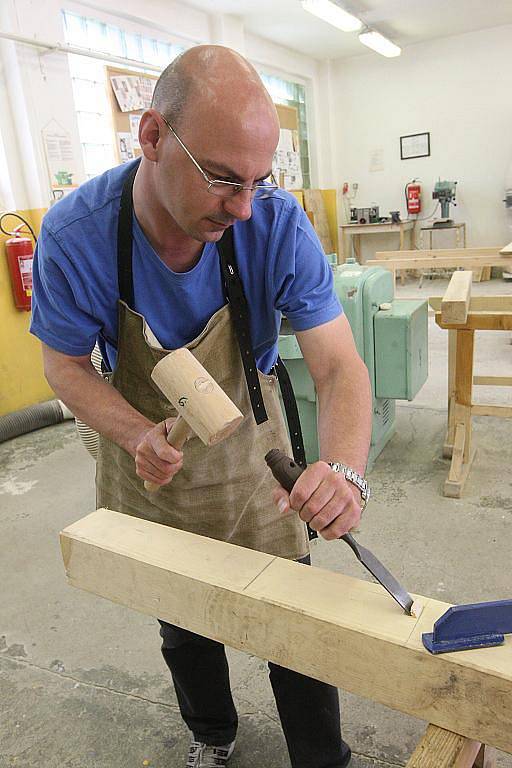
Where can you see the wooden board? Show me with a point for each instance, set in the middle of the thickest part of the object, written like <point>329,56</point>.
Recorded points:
<point>314,203</point>
<point>441,253</point>
<point>455,302</point>
<point>344,631</point>
<point>443,749</point>
<point>479,303</point>
<point>482,320</point>
<point>440,262</point>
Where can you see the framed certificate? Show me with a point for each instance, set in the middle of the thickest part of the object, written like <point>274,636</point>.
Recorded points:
<point>415,145</point>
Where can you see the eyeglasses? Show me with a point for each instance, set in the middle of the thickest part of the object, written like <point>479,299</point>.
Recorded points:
<point>227,188</point>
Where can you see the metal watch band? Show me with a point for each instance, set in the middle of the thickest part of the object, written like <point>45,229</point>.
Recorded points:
<point>355,478</point>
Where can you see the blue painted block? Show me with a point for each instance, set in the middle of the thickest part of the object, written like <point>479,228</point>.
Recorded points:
<point>475,625</point>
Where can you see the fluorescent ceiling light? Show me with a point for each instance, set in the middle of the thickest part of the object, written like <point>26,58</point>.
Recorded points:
<point>333,14</point>
<point>379,43</point>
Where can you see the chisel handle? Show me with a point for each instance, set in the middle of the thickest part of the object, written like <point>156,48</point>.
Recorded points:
<point>286,471</point>
<point>177,437</point>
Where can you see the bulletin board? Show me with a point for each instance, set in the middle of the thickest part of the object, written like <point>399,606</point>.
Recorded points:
<point>286,164</point>
<point>134,89</point>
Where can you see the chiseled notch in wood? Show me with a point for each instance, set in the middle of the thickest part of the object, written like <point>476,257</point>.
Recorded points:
<point>344,631</point>
<point>443,749</point>
<point>455,303</point>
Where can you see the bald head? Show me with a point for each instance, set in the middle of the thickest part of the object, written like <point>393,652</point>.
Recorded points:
<point>213,80</point>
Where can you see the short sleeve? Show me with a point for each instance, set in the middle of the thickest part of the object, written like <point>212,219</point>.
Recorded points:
<point>304,284</point>
<point>61,310</point>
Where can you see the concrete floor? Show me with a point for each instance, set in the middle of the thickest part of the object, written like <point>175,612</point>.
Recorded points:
<point>82,682</point>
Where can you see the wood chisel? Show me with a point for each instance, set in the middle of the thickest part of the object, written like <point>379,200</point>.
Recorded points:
<point>286,472</point>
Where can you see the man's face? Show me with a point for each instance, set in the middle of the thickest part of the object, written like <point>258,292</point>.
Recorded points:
<point>240,152</point>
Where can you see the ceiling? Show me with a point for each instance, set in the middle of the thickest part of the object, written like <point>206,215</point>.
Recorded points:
<point>403,21</point>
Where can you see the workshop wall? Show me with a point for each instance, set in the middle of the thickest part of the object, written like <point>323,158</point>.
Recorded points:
<point>37,85</point>
<point>22,381</point>
<point>457,88</point>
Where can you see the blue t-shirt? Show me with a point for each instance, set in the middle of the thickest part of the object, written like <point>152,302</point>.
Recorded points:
<point>281,263</point>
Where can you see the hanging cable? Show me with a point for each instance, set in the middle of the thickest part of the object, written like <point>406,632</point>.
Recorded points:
<point>18,229</point>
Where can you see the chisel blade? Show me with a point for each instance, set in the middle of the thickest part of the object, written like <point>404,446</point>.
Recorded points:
<point>381,573</point>
<point>286,472</point>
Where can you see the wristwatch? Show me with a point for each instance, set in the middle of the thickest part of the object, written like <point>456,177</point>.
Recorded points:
<point>353,477</point>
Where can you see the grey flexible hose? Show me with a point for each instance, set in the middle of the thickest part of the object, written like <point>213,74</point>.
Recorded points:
<point>31,418</point>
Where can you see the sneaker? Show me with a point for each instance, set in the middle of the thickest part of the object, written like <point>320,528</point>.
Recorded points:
<point>207,756</point>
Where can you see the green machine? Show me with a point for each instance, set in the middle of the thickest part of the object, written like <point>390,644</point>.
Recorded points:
<point>391,336</point>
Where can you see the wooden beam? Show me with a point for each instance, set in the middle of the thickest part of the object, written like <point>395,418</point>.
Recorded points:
<point>443,749</point>
<point>440,262</point>
<point>493,381</point>
<point>477,303</point>
<point>442,253</point>
<point>341,630</point>
<point>480,321</point>
<point>455,303</point>
<point>500,411</point>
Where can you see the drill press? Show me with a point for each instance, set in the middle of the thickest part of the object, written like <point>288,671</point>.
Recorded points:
<point>444,191</point>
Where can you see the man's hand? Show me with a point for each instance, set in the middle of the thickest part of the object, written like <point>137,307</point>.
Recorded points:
<point>155,459</point>
<point>324,499</point>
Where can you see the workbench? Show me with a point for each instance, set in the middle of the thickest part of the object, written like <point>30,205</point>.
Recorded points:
<point>351,234</point>
<point>458,227</point>
<point>461,315</point>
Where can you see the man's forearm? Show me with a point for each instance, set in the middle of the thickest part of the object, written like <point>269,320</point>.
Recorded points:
<point>97,403</point>
<point>345,417</point>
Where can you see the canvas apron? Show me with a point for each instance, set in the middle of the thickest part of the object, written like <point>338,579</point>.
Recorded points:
<point>223,491</point>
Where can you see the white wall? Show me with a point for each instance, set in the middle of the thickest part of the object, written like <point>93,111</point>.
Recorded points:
<point>37,87</point>
<point>459,89</point>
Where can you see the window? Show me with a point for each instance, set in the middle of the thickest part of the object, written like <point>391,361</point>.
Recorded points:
<point>293,95</point>
<point>88,80</point>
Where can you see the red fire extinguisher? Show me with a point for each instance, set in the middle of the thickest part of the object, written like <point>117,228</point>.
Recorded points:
<point>20,255</point>
<point>413,196</point>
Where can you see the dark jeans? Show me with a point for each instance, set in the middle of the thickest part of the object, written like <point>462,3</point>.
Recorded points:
<point>309,710</point>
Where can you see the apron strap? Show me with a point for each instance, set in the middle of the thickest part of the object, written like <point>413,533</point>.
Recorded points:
<point>236,298</point>
<point>293,419</point>
<point>292,413</point>
<point>125,240</point>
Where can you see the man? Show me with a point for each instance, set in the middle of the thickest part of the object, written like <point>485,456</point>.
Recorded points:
<point>132,260</point>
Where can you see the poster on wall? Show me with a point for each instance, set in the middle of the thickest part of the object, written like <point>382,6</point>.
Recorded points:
<point>125,146</point>
<point>286,162</point>
<point>132,91</point>
<point>60,159</point>
<point>134,130</point>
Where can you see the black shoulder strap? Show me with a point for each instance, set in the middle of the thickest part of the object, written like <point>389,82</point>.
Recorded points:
<point>292,414</point>
<point>125,241</point>
<point>240,314</point>
<point>236,298</point>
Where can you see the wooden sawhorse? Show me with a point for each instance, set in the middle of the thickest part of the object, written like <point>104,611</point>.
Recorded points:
<point>461,316</point>
<point>443,749</point>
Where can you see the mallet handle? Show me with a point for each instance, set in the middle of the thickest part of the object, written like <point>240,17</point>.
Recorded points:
<point>177,437</point>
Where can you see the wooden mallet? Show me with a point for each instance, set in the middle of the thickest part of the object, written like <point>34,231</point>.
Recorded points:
<point>203,407</point>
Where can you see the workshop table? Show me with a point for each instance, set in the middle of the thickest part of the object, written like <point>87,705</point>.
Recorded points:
<point>351,233</point>
<point>460,233</point>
